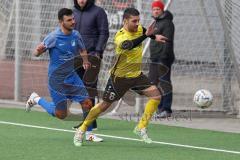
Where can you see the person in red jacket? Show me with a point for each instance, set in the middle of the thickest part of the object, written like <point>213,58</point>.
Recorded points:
<point>162,57</point>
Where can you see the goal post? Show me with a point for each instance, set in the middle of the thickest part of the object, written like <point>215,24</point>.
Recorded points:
<point>226,22</point>
<point>203,59</point>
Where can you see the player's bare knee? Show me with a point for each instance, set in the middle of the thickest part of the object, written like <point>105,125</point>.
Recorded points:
<point>61,114</point>
<point>153,93</point>
<point>87,104</point>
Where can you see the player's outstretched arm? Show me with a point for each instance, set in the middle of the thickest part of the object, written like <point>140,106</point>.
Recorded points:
<point>150,33</point>
<point>130,44</point>
<point>40,49</point>
<point>86,63</point>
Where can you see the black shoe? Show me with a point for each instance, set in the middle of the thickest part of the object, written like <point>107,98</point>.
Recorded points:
<point>94,124</point>
<point>77,126</point>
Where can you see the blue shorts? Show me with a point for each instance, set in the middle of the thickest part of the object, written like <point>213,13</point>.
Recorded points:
<point>71,88</point>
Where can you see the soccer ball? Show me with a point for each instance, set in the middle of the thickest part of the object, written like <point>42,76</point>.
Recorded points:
<point>203,98</point>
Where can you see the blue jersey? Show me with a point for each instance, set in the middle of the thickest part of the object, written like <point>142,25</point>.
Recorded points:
<point>64,83</point>
<point>63,49</point>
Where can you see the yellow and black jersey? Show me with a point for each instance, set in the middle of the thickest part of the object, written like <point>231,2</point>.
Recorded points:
<point>129,62</point>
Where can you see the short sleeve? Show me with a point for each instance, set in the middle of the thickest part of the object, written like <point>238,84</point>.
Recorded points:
<point>118,40</point>
<point>49,41</point>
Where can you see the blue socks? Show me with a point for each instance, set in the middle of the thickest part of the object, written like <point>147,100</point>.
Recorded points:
<point>48,106</point>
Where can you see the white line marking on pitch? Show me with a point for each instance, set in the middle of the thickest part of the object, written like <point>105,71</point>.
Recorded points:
<point>125,138</point>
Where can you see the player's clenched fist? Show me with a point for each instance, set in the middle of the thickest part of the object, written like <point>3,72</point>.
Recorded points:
<point>39,49</point>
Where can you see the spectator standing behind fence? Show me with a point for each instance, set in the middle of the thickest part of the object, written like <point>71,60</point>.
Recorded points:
<point>162,57</point>
<point>92,23</point>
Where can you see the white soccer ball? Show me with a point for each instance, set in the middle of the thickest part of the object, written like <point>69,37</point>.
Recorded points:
<point>203,98</point>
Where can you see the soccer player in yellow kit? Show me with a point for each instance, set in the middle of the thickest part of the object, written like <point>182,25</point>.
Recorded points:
<point>127,74</point>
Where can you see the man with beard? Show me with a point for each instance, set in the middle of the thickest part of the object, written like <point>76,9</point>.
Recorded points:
<point>127,74</point>
<point>65,86</point>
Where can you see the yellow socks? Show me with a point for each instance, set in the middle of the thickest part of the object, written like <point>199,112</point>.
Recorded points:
<point>150,108</point>
<point>92,115</point>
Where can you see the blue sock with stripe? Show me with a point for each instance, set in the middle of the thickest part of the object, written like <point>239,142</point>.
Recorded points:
<point>48,106</point>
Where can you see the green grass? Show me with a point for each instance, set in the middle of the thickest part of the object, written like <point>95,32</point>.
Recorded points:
<point>17,142</point>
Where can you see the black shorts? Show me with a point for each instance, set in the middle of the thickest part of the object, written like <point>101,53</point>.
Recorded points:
<point>160,75</point>
<point>118,86</point>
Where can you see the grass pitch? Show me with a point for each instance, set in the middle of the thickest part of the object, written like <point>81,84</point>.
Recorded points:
<point>36,135</point>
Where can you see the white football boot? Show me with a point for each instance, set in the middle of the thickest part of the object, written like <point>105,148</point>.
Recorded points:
<point>78,138</point>
<point>92,137</point>
<point>31,101</point>
<point>142,133</point>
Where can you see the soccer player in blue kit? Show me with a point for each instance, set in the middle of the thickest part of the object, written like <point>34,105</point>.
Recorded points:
<point>64,85</point>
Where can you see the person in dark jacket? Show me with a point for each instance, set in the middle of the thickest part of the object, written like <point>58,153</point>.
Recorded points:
<point>162,57</point>
<point>92,23</point>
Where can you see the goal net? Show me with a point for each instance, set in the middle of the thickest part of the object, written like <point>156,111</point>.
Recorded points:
<point>207,39</point>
